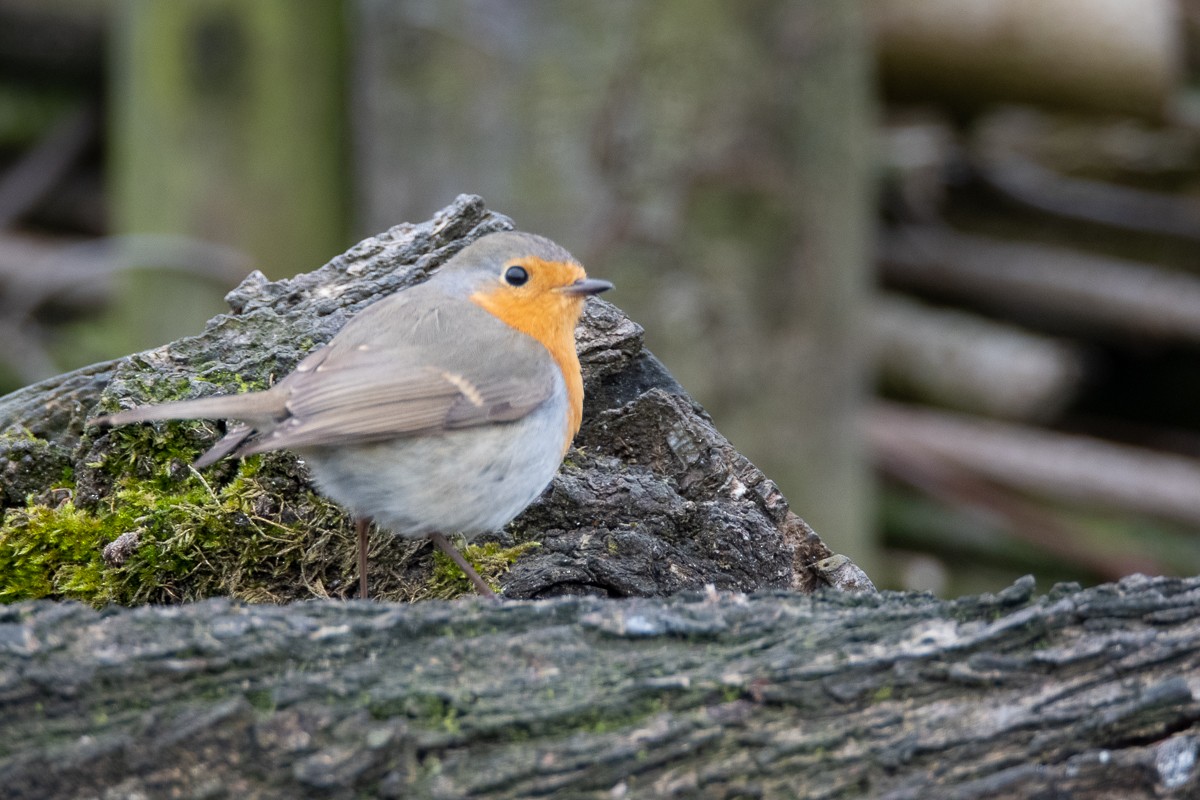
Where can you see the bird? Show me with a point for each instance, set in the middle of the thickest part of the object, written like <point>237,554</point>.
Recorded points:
<point>444,408</point>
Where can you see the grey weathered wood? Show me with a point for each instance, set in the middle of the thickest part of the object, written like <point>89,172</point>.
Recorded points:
<point>1061,467</point>
<point>1079,693</point>
<point>1070,289</point>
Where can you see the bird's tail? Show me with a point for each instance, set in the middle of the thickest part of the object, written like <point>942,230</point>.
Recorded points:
<point>255,408</point>
<point>250,407</point>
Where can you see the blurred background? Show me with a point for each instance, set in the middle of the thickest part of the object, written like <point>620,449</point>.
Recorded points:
<point>934,265</point>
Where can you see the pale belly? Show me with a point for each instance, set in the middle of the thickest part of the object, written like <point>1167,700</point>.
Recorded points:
<point>468,481</point>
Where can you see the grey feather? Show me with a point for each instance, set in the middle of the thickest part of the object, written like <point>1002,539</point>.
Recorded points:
<point>397,369</point>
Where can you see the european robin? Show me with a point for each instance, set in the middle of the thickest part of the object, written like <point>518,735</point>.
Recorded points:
<point>444,408</point>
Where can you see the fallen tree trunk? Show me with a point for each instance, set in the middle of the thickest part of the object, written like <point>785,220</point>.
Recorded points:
<point>704,694</point>
<point>1080,693</point>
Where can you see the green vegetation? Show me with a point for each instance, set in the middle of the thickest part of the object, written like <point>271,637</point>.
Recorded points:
<point>489,559</point>
<point>184,537</point>
<point>249,529</point>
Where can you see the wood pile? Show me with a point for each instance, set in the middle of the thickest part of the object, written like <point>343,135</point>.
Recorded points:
<point>1039,330</point>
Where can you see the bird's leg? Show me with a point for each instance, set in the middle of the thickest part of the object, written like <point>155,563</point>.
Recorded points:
<point>362,525</point>
<point>446,547</point>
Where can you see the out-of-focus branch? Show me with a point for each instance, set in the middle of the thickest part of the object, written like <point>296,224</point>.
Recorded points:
<point>1085,54</point>
<point>1044,463</point>
<point>962,361</point>
<point>1058,283</point>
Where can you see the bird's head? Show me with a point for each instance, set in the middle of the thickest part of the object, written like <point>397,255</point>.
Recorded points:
<point>526,281</point>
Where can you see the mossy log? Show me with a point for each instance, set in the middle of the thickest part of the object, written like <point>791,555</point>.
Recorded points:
<point>1079,693</point>
<point>651,500</point>
<point>708,693</point>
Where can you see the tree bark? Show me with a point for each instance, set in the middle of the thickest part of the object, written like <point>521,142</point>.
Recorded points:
<point>1078,693</point>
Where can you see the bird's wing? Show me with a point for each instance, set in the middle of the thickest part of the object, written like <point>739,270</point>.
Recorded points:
<point>410,368</point>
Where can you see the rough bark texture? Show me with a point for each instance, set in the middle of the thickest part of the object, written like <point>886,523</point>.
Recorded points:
<point>652,500</point>
<point>1080,693</point>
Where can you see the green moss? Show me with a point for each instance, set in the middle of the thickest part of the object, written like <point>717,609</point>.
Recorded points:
<point>432,710</point>
<point>490,560</point>
<point>613,718</point>
<point>250,529</point>
<point>142,450</point>
<point>193,536</point>
<point>16,436</point>
<point>233,382</point>
<point>261,699</point>
<point>38,542</point>
<point>150,387</point>
<point>193,540</point>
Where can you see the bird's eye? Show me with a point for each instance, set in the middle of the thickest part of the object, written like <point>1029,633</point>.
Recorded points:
<point>516,276</point>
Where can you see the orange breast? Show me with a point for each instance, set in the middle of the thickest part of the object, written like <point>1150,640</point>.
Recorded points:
<point>549,317</point>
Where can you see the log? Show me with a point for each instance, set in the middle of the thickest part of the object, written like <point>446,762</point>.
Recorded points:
<point>1059,286</point>
<point>1094,55</point>
<point>1123,208</point>
<point>965,362</point>
<point>650,501</point>
<point>978,523</point>
<point>1076,693</point>
<point>1063,467</point>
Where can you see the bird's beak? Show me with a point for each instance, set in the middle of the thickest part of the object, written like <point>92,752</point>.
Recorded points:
<point>586,286</point>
